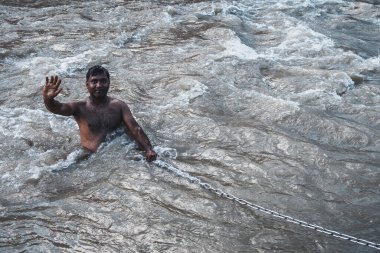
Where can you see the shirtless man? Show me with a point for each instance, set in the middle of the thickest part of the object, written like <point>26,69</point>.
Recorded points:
<point>98,115</point>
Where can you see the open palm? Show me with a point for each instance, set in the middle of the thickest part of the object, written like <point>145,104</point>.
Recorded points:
<point>51,88</point>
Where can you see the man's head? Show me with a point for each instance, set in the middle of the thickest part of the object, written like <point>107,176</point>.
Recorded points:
<point>96,70</point>
<point>98,82</point>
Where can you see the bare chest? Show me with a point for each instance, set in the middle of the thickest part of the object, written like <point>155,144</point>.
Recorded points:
<point>98,120</point>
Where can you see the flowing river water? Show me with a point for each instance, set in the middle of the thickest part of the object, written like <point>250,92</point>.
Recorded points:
<point>275,102</point>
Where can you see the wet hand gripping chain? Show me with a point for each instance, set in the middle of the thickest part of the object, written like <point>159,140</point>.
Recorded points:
<point>164,165</point>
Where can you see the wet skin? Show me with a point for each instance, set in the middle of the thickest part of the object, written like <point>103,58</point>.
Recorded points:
<point>98,115</point>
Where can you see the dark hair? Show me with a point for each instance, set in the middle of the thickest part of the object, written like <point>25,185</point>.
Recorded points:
<point>96,70</point>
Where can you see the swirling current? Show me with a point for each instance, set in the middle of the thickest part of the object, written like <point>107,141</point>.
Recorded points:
<point>276,102</point>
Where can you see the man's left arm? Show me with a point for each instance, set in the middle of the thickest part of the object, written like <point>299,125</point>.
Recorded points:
<point>137,133</point>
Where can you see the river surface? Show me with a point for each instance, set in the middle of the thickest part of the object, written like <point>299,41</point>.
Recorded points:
<point>275,102</point>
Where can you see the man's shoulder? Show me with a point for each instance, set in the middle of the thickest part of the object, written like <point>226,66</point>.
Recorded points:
<point>117,102</point>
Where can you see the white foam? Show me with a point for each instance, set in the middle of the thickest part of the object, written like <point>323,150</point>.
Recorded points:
<point>267,108</point>
<point>61,47</point>
<point>166,152</point>
<point>64,163</point>
<point>48,66</point>
<point>32,170</point>
<point>230,45</point>
<point>273,108</point>
<point>285,4</point>
<point>371,64</point>
<point>300,42</point>
<point>317,97</point>
<point>37,127</point>
<point>24,123</point>
<point>183,91</point>
<point>234,47</point>
<point>196,89</point>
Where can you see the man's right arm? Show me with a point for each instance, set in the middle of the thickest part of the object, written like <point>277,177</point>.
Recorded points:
<point>137,133</point>
<point>50,91</point>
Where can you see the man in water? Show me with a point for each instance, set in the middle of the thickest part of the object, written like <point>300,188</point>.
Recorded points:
<point>99,115</point>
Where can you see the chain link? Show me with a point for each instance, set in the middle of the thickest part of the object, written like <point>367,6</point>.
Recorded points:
<point>164,165</point>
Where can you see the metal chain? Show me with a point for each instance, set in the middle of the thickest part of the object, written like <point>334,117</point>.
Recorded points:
<point>164,165</point>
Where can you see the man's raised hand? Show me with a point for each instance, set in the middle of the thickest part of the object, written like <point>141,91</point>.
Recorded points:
<point>51,88</point>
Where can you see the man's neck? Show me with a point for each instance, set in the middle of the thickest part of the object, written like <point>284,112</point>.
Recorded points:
<point>98,101</point>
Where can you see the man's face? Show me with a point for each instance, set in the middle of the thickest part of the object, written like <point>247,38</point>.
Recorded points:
<point>98,85</point>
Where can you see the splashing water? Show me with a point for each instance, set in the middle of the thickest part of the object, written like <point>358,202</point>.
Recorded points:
<point>275,102</point>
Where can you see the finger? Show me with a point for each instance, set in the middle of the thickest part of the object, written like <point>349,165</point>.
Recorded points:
<point>44,88</point>
<point>55,79</point>
<point>48,82</point>
<point>55,82</point>
<point>52,80</point>
<point>59,81</point>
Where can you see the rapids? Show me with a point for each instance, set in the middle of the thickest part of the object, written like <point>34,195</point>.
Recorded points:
<point>276,102</point>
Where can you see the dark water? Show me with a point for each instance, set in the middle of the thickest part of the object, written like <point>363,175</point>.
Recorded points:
<point>275,102</point>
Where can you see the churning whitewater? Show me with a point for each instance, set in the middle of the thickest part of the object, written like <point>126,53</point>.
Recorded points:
<point>275,103</point>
